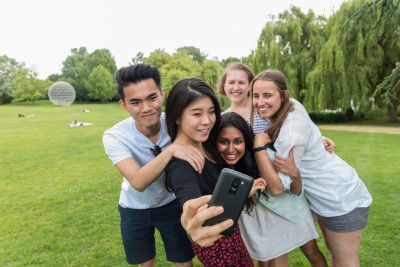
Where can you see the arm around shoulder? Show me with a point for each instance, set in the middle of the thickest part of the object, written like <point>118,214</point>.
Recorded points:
<point>141,177</point>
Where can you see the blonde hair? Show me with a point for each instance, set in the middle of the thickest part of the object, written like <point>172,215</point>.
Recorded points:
<point>233,66</point>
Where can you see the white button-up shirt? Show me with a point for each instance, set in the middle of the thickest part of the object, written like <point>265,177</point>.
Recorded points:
<point>332,186</point>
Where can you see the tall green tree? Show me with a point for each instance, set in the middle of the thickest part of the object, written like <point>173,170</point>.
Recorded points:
<point>325,83</point>
<point>100,84</point>
<point>362,49</point>
<point>226,61</point>
<point>290,43</point>
<point>389,90</point>
<point>388,19</point>
<point>28,87</point>
<point>78,66</point>
<point>180,66</point>
<point>210,71</point>
<point>73,71</point>
<point>194,52</point>
<point>54,77</point>
<point>100,57</point>
<point>139,58</point>
<point>9,67</point>
<point>158,58</point>
<point>184,63</point>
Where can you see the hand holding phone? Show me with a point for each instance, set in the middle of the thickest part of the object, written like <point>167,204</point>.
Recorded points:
<point>231,192</point>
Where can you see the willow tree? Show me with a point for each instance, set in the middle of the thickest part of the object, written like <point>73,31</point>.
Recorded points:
<point>360,52</point>
<point>290,43</point>
<point>389,90</point>
<point>387,14</point>
<point>325,83</point>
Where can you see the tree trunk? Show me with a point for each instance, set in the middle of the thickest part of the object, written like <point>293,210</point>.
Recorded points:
<point>349,114</point>
<point>392,111</point>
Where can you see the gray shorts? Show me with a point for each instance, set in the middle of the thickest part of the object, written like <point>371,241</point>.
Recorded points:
<point>353,221</point>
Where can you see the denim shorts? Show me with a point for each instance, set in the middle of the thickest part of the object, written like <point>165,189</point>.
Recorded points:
<point>353,221</point>
<point>137,229</point>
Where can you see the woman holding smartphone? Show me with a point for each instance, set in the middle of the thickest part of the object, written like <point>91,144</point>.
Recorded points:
<point>193,117</point>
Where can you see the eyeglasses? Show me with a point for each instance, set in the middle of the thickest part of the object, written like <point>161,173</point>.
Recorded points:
<point>156,150</point>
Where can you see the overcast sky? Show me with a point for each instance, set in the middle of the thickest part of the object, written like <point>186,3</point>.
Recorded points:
<point>41,33</point>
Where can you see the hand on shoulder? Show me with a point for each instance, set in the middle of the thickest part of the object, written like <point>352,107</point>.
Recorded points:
<point>190,154</point>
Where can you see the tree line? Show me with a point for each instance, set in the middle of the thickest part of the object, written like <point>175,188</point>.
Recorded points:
<point>349,61</point>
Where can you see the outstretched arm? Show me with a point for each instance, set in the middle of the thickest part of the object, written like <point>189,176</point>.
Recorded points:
<point>195,213</point>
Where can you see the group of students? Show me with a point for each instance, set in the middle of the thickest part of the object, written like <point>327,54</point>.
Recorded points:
<point>171,162</point>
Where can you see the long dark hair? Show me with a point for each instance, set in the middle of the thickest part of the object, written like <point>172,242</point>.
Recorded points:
<point>182,95</point>
<point>247,163</point>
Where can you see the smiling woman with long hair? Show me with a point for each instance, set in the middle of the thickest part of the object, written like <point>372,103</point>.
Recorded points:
<point>193,118</point>
<point>333,188</point>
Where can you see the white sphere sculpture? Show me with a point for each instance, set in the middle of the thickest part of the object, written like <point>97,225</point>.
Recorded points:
<point>61,94</point>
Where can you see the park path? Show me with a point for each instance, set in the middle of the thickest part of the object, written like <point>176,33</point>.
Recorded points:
<point>361,128</point>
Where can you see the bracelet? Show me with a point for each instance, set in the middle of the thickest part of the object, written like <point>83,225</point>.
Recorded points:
<point>260,148</point>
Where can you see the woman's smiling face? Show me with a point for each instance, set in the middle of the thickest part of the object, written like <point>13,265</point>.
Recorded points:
<point>266,98</point>
<point>237,86</point>
<point>197,120</point>
<point>231,145</point>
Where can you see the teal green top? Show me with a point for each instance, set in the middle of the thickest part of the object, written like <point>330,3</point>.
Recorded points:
<point>287,205</point>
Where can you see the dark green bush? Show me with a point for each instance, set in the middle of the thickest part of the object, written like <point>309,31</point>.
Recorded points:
<point>374,113</point>
<point>348,115</point>
<point>327,117</point>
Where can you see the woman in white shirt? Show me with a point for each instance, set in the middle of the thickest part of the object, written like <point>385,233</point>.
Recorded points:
<point>335,192</point>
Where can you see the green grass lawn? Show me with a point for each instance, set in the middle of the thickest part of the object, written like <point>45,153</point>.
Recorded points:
<point>59,191</point>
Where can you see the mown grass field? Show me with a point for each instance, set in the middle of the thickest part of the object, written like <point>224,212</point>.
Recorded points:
<point>59,191</point>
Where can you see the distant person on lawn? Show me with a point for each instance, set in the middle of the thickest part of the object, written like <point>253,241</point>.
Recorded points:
<point>75,123</point>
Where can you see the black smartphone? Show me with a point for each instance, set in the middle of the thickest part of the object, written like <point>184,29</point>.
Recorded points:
<point>231,192</point>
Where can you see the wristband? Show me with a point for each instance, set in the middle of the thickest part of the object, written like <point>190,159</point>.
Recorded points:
<point>260,148</point>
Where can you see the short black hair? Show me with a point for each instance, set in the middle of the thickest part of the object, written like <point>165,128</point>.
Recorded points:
<point>135,74</point>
